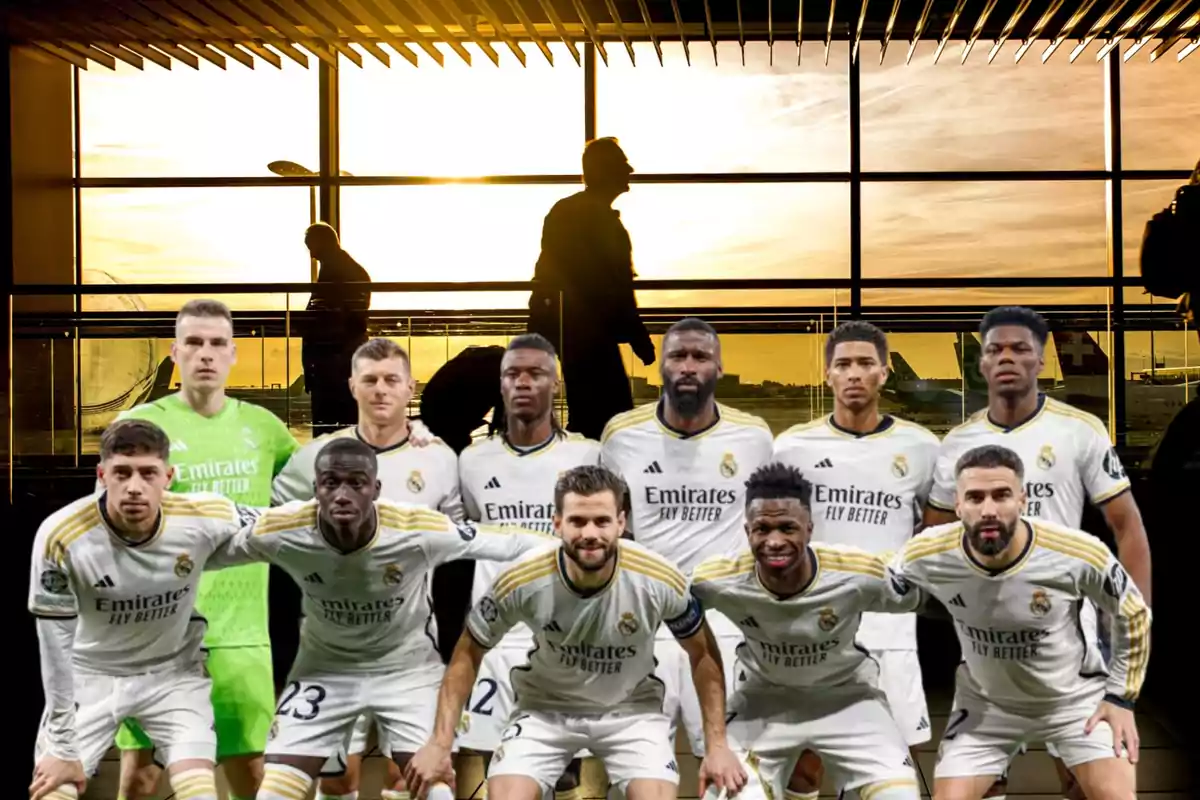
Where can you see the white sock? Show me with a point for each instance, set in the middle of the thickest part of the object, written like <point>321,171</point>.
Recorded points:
<point>894,789</point>
<point>194,784</point>
<point>281,782</point>
<point>790,794</point>
<point>65,792</point>
<point>392,794</point>
<point>347,796</point>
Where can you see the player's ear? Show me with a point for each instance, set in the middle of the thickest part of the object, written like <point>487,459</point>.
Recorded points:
<point>170,475</point>
<point>378,487</point>
<point>233,350</point>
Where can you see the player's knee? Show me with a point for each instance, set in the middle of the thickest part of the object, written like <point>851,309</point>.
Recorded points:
<point>284,782</point>
<point>244,774</point>
<point>195,784</point>
<point>893,789</point>
<point>344,785</point>
<point>998,790</point>
<point>139,775</point>
<point>807,775</point>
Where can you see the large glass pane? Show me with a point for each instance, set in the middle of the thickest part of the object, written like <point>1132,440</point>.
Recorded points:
<point>994,229</point>
<point>1142,200</point>
<point>727,117</point>
<point>463,120</point>
<point>1003,115</point>
<point>197,235</point>
<point>1058,302</point>
<point>1160,111</point>
<point>1162,374</point>
<point>206,122</point>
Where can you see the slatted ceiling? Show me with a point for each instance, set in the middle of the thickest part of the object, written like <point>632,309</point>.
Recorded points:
<point>265,33</point>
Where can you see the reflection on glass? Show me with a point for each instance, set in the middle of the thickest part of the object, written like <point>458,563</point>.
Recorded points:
<point>1160,111</point>
<point>197,123</point>
<point>981,229</point>
<point>227,235</point>
<point>460,120</point>
<point>761,117</point>
<point>998,116</point>
<point>1042,300</point>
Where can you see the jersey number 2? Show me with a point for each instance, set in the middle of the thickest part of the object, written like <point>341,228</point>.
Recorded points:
<point>313,694</point>
<point>489,691</point>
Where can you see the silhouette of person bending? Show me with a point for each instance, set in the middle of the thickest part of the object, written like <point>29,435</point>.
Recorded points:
<point>583,299</point>
<point>337,325</point>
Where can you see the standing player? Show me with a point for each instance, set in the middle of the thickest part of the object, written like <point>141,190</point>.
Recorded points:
<point>1068,456</point>
<point>685,459</point>
<point>594,603</point>
<point>1015,586</point>
<point>222,445</point>
<point>368,641</point>
<point>508,479</point>
<point>802,680</point>
<point>382,386</point>
<point>871,474</point>
<point>113,584</point>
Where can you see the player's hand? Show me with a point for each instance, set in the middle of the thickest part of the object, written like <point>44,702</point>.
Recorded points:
<point>722,769</point>
<point>51,773</point>
<point>418,434</point>
<point>1124,728</point>
<point>429,765</point>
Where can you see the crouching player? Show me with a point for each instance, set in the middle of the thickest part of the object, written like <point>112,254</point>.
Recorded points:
<point>801,682</point>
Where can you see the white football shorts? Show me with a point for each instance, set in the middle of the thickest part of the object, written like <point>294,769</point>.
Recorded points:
<point>901,681</point>
<point>632,746</point>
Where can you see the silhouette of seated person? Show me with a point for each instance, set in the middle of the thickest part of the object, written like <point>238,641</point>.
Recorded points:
<point>336,326</point>
<point>583,300</point>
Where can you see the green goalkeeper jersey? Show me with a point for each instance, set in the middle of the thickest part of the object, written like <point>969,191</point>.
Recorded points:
<point>236,453</point>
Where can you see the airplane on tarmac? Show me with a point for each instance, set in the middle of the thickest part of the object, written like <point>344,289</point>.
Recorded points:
<point>291,404</point>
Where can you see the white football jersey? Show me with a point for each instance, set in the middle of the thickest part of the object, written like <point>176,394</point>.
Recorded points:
<point>1067,454</point>
<point>809,639</point>
<point>595,652</point>
<point>369,610</point>
<point>1022,642</point>
<point>426,476</point>
<point>869,491</point>
<point>687,490</point>
<point>502,485</point>
<point>135,603</point>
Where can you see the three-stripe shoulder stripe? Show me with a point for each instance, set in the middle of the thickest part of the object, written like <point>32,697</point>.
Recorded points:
<point>412,519</point>
<point>629,419</point>
<point>841,561</point>
<point>1095,554</point>
<point>70,529</point>
<point>208,509</point>
<point>653,567</point>
<point>921,547</point>
<point>517,576</point>
<point>1138,615</point>
<point>714,569</point>
<point>277,520</point>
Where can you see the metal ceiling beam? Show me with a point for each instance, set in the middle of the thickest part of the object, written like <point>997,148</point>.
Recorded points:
<point>829,29</point>
<point>92,54</point>
<point>257,28</point>
<point>920,29</point>
<point>770,34</point>
<point>501,30</point>
<point>977,31</point>
<point>1008,28</point>
<point>1038,28</point>
<point>164,9</point>
<point>1067,29</point>
<point>887,31</point>
<point>160,53</point>
<point>149,53</point>
<point>649,27</point>
<point>1157,28</point>
<point>1126,28</point>
<point>958,9</point>
<point>269,15</point>
<point>1188,50</point>
<point>128,56</point>
<point>590,30</point>
<point>687,54</point>
<point>1097,28</point>
<point>531,30</point>
<point>327,31</point>
<point>741,31</point>
<point>1165,47</point>
<point>800,30</point>
<point>461,20</point>
<point>336,21</point>
<point>70,56</point>
<point>427,17</point>
<point>219,26</point>
<point>393,14</point>
<point>170,39</point>
<point>862,19</point>
<point>620,29</point>
<point>379,27</point>
<point>201,49</point>
<point>712,34</point>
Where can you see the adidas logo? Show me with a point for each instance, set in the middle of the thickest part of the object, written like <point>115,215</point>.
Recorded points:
<point>908,762</point>
<point>674,767</point>
<point>552,627</point>
<point>823,463</point>
<point>653,469</point>
<point>494,483</point>
<point>313,578</point>
<point>749,622</point>
<point>923,725</point>
<point>105,583</point>
<point>958,601</point>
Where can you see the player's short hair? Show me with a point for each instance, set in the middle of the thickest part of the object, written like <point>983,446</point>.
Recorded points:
<point>692,324</point>
<point>134,437</point>
<point>204,308</point>
<point>990,456</point>
<point>1019,316</point>
<point>857,330</point>
<point>589,480</point>
<point>532,341</point>
<point>379,349</point>
<point>777,481</point>
<point>349,446</point>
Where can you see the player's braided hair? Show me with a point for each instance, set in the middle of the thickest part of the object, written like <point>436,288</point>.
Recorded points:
<point>589,480</point>
<point>990,456</point>
<point>134,437</point>
<point>1019,316</point>
<point>776,481</point>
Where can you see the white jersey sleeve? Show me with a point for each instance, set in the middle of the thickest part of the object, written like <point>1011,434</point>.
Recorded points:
<point>1099,466</point>
<point>469,540</point>
<point>51,584</point>
<point>1108,585</point>
<point>942,493</point>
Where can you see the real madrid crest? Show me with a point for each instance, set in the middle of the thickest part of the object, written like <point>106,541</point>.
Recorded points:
<point>416,484</point>
<point>392,575</point>
<point>826,619</point>
<point>900,466</point>
<point>729,466</point>
<point>184,565</point>
<point>1045,458</point>
<point>1040,604</point>
<point>628,626</point>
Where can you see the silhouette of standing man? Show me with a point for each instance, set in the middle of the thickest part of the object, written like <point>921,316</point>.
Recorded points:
<point>587,261</point>
<point>337,326</point>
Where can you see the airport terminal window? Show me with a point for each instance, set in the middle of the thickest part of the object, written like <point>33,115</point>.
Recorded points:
<point>1162,368</point>
<point>761,117</point>
<point>1141,201</point>
<point>981,116</point>
<point>459,120</point>
<point>984,229</point>
<point>1160,112</point>
<point>197,123</point>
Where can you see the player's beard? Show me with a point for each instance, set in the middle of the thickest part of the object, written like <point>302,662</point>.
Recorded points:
<point>689,404</point>
<point>991,546</point>
<point>598,557</point>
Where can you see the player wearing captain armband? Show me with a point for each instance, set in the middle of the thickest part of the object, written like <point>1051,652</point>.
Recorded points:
<point>802,683</point>
<point>410,471</point>
<point>686,459</point>
<point>368,640</point>
<point>1031,671</point>
<point>594,603</point>
<point>113,584</point>
<point>508,479</point>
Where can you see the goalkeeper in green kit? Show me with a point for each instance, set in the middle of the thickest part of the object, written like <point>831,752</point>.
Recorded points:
<point>222,445</point>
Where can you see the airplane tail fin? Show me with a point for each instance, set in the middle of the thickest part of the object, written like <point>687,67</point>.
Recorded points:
<point>902,370</point>
<point>161,385</point>
<point>1079,354</point>
<point>969,353</point>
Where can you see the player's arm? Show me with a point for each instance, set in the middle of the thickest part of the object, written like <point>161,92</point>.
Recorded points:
<point>452,504</point>
<point>285,445</point>
<point>885,591</point>
<point>294,481</point>
<point>904,585</point>
<point>1112,590</point>
<point>448,540</point>
<point>1108,487</point>
<point>245,546</point>
<point>939,505</point>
